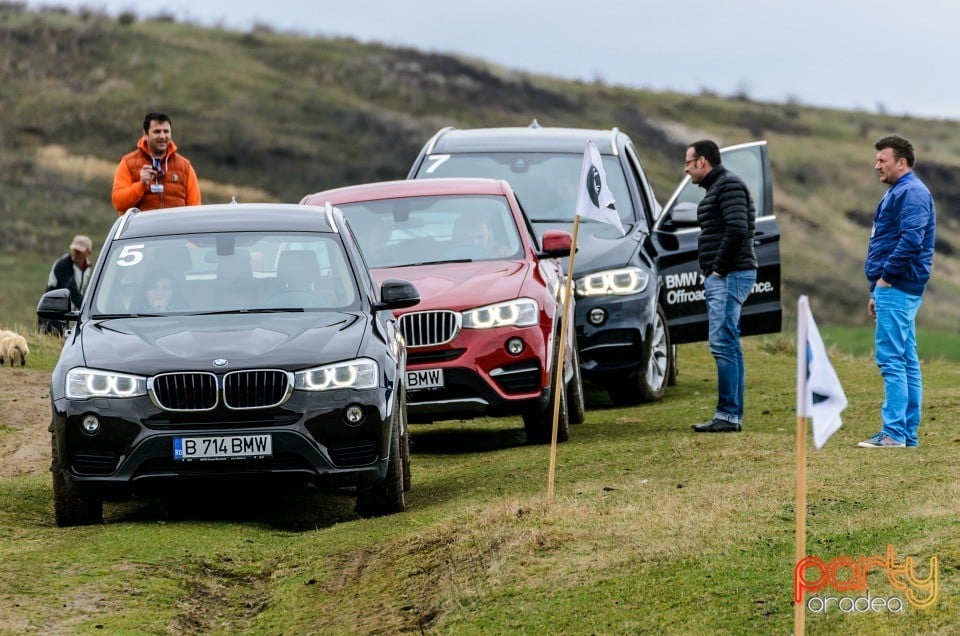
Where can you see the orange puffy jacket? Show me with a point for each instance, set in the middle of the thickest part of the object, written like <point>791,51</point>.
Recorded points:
<point>180,186</point>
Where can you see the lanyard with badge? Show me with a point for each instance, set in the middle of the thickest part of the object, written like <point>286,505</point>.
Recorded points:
<point>157,187</point>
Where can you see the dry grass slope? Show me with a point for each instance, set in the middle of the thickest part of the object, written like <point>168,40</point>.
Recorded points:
<point>264,115</point>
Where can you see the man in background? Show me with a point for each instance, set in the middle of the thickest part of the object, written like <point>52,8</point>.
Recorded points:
<point>155,175</point>
<point>899,260</point>
<point>71,271</point>
<point>727,219</point>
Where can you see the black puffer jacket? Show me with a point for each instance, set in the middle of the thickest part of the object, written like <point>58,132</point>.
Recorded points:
<point>727,219</point>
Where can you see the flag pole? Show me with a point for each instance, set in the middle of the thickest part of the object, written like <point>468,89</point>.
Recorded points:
<point>558,380</point>
<point>799,608</point>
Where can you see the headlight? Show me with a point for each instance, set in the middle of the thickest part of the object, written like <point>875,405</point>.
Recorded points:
<point>521,312</point>
<point>362,373</point>
<point>88,383</point>
<point>616,282</point>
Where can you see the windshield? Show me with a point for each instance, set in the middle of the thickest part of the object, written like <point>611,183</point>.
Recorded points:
<point>225,272</point>
<point>545,183</point>
<point>434,229</point>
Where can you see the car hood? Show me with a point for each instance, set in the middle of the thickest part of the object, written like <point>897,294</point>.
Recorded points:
<point>600,246</point>
<point>460,286</point>
<point>145,346</point>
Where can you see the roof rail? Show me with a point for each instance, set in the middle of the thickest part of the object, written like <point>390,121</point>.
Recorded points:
<point>123,220</point>
<point>328,210</point>
<point>613,140</point>
<point>433,140</point>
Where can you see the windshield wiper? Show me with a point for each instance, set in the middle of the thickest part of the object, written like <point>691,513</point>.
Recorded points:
<point>449,260</point>
<point>116,316</point>
<point>259,310</point>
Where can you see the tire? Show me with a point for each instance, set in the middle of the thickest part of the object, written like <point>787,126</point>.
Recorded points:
<point>69,508</point>
<point>576,408</point>
<point>386,497</point>
<point>649,382</point>
<point>538,422</point>
<point>405,441</point>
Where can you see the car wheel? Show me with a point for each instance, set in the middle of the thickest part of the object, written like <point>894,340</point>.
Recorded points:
<point>575,400</point>
<point>70,509</point>
<point>649,382</point>
<point>538,422</point>
<point>405,441</point>
<point>386,497</point>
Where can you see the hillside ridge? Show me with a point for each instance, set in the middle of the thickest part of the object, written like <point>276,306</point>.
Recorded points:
<point>275,116</point>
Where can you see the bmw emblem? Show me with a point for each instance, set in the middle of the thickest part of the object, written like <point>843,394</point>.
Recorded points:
<point>220,362</point>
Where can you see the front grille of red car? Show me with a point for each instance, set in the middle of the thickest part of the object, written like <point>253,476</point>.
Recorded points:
<point>429,328</point>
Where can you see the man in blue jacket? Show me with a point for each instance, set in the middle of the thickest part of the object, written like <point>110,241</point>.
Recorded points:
<point>899,258</point>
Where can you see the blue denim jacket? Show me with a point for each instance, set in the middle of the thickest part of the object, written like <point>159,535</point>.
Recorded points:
<point>902,238</point>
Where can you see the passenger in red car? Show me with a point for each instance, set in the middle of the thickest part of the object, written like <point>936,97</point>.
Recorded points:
<point>475,236</point>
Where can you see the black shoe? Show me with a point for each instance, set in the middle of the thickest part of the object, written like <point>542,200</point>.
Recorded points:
<point>717,426</point>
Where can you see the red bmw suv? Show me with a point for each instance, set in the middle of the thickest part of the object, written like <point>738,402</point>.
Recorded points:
<point>485,337</point>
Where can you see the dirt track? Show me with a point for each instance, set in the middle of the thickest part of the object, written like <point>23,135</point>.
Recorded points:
<point>24,418</point>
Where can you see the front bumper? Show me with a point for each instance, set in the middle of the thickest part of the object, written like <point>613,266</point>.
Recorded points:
<point>479,377</point>
<point>615,346</point>
<point>133,451</point>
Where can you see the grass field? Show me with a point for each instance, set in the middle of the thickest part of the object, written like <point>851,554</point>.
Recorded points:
<point>654,529</point>
<point>859,341</point>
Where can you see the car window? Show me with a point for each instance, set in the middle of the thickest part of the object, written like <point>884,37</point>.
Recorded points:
<point>413,230</point>
<point>745,163</point>
<point>225,272</point>
<point>545,183</point>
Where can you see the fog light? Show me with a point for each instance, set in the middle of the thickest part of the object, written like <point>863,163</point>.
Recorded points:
<point>90,424</point>
<point>353,415</point>
<point>596,316</point>
<point>514,346</point>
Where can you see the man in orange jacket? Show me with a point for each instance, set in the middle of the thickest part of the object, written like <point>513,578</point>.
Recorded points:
<point>154,175</point>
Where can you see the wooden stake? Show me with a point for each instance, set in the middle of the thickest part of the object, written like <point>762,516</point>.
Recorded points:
<point>558,380</point>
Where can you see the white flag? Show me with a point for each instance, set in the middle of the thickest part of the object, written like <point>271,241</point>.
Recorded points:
<point>819,394</point>
<point>595,201</point>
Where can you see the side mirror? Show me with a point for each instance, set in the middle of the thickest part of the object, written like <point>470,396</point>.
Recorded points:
<point>55,305</point>
<point>397,294</point>
<point>684,214</point>
<point>556,244</point>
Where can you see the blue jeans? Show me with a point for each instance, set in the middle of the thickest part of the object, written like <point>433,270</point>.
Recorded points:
<point>725,298</point>
<point>896,355</point>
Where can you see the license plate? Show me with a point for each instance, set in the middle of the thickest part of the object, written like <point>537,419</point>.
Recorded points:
<point>228,447</point>
<point>424,379</point>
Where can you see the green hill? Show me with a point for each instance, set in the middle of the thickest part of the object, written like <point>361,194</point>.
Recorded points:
<point>264,115</point>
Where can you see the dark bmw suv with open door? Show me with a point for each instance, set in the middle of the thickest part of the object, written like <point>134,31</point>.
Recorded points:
<point>640,294</point>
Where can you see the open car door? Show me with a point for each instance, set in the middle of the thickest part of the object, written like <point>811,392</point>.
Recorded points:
<point>676,234</point>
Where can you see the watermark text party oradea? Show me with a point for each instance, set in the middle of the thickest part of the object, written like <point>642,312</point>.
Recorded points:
<point>848,577</point>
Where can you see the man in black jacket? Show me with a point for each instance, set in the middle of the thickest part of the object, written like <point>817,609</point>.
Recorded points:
<point>727,220</point>
<point>70,271</point>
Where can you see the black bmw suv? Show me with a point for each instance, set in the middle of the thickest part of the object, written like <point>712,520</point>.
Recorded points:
<point>640,294</point>
<point>229,344</point>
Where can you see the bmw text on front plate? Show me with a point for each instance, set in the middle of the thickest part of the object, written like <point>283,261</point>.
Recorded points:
<point>229,447</point>
<point>424,379</point>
